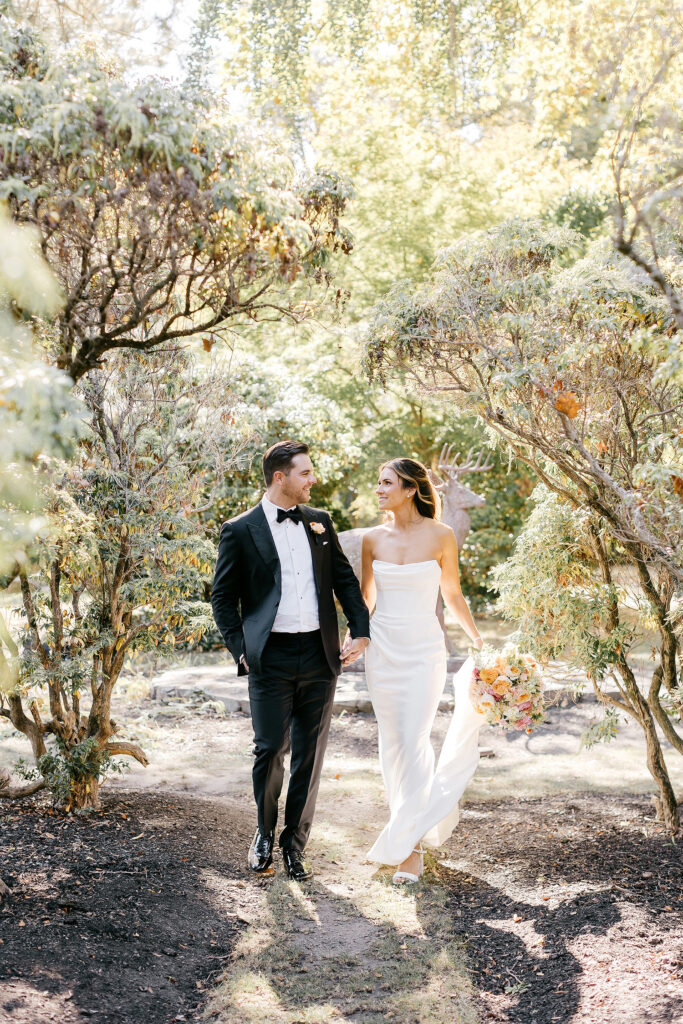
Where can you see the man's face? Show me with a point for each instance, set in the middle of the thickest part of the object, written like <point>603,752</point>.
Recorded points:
<point>296,484</point>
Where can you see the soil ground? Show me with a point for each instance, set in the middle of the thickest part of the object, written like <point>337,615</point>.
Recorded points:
<point>123,915</point>
<point>561,907</point>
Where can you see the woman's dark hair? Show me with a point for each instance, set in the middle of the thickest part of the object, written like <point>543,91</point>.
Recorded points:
<point>279,456</point>
<point>412,473</point>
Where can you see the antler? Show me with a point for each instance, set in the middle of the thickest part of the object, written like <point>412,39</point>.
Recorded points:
<point>448,462</point>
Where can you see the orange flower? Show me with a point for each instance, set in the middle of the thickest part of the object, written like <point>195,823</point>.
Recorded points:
<point>488,675</point>
<point>501,686</point>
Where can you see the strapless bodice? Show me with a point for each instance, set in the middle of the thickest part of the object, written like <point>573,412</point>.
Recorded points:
<point>406,592</point>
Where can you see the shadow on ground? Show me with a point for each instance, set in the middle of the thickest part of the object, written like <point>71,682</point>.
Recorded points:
<point>319,956</point>
<point>571,909</point>
<point>118,917</point>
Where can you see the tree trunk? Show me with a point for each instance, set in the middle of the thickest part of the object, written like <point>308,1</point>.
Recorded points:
<point>658,770</point>
<point>655,757</point>
<point>17,794</point>
<point>85,795</point>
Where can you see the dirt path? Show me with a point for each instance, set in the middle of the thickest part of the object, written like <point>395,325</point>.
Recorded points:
<point>562,908</point>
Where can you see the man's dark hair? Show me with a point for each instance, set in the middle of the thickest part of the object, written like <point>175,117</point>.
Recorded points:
<point>279,456</point>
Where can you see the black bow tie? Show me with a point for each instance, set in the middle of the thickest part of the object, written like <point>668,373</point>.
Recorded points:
<point>291,513</point>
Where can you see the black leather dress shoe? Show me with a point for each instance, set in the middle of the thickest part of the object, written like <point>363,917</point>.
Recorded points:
<point>295,865</point>
<point>261,851</point>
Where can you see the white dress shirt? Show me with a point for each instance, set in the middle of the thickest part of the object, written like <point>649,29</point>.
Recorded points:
<point>298,608</point>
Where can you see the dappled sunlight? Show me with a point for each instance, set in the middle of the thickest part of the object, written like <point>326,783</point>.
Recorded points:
<point>253,942</point>
<point>367,952</point>
<point>360,784</point>
<point>444,993</point>
<point>355,939</point>
<point>606,768</point>
<point>254,997</point>
<point>342,842</point>
<point>29,1001</point>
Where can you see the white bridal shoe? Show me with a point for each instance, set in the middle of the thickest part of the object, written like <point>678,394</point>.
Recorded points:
<point>407,877</point>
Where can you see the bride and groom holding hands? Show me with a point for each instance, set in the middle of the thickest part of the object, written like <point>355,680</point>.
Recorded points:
<point>280,565</point>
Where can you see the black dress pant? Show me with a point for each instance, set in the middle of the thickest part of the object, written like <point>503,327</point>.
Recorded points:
<point>291,700</point>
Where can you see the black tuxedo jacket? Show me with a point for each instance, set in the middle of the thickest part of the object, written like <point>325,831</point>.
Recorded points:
<point>247,585</point>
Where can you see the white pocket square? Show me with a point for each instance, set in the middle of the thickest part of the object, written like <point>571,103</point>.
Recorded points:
<point>325,542</point>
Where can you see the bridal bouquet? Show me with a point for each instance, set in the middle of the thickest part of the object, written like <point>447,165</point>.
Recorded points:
<point>508,689</point>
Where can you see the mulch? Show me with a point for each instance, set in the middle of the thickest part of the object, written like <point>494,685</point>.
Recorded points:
<point>110,916</point>
<point>570,909</point>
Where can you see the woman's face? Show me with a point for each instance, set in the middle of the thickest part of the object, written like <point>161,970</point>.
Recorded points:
<point>391,494</point>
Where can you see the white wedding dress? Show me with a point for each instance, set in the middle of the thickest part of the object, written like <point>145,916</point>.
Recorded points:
<point>405,667</point>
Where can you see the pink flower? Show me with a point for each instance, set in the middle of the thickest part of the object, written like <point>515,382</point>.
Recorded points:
<point>525,706</point>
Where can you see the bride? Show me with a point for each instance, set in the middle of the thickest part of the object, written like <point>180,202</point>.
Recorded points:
<point>404,562</point>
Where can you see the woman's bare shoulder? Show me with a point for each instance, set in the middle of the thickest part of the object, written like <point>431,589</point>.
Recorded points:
<point>440,530</point>
<point>372,534</point>
<point>444,536</point>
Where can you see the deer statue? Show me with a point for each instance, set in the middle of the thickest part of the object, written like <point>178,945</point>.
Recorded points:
<point>456,498</point>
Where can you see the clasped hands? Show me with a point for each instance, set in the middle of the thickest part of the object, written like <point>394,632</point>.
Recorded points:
<point>350,652</point>
<point>352,649</point>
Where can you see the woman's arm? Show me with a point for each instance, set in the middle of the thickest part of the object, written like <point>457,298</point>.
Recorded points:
<point>450,588</point>
<point>367,579</point>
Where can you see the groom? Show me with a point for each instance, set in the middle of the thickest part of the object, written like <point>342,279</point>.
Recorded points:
<point>279,567</point>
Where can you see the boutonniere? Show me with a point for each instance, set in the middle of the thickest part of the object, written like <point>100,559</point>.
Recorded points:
<point>317,527</point>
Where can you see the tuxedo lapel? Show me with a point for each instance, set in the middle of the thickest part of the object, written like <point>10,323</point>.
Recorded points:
<point>314,540</point>
<point>263,540</point>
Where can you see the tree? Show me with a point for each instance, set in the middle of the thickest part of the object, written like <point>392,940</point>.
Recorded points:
<point>568,591</point>
<point>125,558</point>
<point>616,111</point>
<point>454,48</point>
<point>451,116</point>
<point>124,23</point>
<point>160,220</point>
<point>396,97</point>
<point>647,166</point>
<point>563,355</point>
<point>39,421</point>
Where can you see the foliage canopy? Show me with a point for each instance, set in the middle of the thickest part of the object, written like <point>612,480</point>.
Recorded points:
<point>160,220</point>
